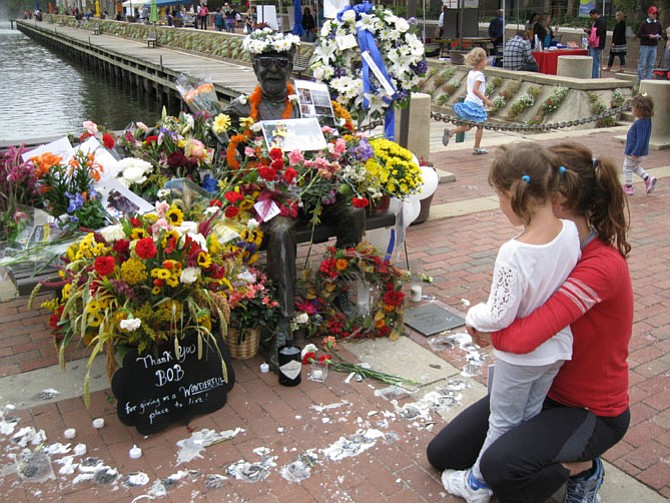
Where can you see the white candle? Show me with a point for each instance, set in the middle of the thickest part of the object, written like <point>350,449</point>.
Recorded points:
<point>415,293</point>
<point>265,368</point>
<point>80,449</point>
<point>317,374</point>
<point>98,423</point>
<point>70,433</point>
<point>135,452</point>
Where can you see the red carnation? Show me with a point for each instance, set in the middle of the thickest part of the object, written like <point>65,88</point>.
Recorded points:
<point>232,197</point>
<point>232,211</point>
<point>308,358</point>
<point>145,248</point>
<point>276,154</point>
<point>151,139</point>
<point>104,266</point>
<point>135,222</point>
<point>325,358</point>
<point>108,140</point>
<point>360,202</point>
<point>216,202</point>
<point>121,246</point>
<point>84,135</point>
<point>277,165</point>
<point>289,175</point>
<point>267,173</point>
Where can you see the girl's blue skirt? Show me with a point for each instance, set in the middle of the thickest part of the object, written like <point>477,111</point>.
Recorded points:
<point>470,111</point>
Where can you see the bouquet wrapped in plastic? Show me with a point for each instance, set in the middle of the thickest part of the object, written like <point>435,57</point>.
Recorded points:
<point>200,97</point>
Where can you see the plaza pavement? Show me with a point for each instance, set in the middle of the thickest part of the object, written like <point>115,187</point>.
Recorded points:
<point>368,441</point>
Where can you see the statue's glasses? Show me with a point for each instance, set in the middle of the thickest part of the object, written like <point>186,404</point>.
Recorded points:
<point>266,61</point>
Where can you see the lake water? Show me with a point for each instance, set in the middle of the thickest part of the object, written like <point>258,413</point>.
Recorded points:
<point>42,95</point>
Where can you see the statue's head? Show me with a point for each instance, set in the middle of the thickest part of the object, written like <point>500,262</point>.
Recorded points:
<point>272,54</point>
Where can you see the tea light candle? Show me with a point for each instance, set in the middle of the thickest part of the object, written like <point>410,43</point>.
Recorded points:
<point>80,449</point>
<point>98,423</point>
<point>317,374</point>
<point>135,452</point>
<point>265,368</point>
<point>415,293</point>
<point>70,433</point>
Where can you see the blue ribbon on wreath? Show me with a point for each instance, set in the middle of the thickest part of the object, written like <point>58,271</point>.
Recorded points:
<point>366,42</point>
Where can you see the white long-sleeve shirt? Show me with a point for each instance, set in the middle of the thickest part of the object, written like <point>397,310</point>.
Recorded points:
<point>524,277</point>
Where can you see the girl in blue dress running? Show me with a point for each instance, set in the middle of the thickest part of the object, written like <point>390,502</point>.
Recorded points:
<point>472,109</point>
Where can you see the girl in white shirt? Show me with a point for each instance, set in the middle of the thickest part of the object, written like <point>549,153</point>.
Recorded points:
<point>528,270</point>
<point>472,109</point>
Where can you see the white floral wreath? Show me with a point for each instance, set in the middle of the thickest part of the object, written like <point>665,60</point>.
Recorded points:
<point>268,40</point>
<point>401,50</point>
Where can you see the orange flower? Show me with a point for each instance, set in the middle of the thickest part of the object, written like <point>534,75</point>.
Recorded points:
<point>341,264</point>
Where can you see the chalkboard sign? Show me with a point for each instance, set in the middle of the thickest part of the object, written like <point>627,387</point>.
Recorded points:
<point>155,390</point>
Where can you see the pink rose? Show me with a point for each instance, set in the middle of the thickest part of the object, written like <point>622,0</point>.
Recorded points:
<point>91,127</point>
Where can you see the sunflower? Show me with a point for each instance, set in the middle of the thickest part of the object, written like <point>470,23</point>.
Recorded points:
<point>204,259</point>
<point>138,233</point>
<point>175,216</point>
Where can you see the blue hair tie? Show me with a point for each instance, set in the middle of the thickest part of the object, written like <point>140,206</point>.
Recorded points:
<point>526,178</point>
<point>561,170</point>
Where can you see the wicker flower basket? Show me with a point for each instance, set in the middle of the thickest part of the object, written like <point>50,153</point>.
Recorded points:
<point>245,347</point>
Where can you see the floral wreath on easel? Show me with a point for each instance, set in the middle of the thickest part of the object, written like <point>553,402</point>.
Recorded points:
<point>336,274</point>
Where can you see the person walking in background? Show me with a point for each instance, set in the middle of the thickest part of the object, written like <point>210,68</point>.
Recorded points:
<point>596,34</point>
<point>309,25</point>
<point>497,31</point>
<point>637,145</point>
<point>649,32</point>
<point>587,409</point>
<point>472,109</point>
<point>440,22</point>
<point>527,272</point>
<point>518,55</point>
<point>618,46</point>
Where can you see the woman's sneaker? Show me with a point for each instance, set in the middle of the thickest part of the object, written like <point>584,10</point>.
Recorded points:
<point>650,183</point>
<point>446,136</point>
<point>585,490</point>
<point>462,483</point>
<point>628,190</point>
<point>479,151</point>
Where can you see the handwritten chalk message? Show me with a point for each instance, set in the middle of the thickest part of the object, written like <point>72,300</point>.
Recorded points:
<point>154,391</point>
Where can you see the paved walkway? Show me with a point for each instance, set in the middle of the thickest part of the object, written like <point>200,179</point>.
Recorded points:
<point>368,442</point>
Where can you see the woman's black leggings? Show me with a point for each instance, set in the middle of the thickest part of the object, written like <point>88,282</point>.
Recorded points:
<point>524,465</point>
<point>622,59</point>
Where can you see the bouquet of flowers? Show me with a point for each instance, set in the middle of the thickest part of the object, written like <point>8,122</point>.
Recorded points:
<point>143,283</point>
<point>252,301</point>
<point>336,274</point>
<point>394,168</point>
<point>18,189</point>
<point>175,148</point>
<point>67,189</point>
<point>400,50</point>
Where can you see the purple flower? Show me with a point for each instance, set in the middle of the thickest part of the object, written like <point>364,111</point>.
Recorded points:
<point>76,202</point>
<point>363,151</point>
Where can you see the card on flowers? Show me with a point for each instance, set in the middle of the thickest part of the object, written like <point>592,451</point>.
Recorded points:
<point>293,134</point>
<point>313,99</point>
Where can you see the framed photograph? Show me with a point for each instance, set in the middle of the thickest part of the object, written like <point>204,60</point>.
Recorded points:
<point>314,99</point>
<point>293,134</point>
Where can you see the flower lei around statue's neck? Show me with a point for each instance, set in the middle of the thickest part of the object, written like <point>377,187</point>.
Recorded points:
<point>255,99</point>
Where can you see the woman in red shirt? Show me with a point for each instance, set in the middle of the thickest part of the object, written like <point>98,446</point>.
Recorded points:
<point>586,411</point>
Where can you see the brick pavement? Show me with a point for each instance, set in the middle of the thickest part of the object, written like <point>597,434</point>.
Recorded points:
<point>458,252</point>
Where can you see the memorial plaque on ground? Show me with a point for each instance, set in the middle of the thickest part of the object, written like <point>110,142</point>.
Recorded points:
<point>431,319</point>
<point>154,391</point>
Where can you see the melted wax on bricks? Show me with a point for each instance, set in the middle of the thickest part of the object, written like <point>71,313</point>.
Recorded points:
<point>360,442</point>
<point>301,468</point>
<point>192,447</point>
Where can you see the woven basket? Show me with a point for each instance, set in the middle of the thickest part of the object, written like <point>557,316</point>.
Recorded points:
<point>246,349</point>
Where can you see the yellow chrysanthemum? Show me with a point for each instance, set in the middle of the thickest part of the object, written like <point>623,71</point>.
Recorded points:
<point>151,218</point>
<point>246,122</point>
<point>221,123</point>
<point>175,216</point>
<point>133,271</point>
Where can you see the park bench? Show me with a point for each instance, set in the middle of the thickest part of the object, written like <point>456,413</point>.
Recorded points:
<point>301,64</point>
<point>26,276</point>
<point>151,39</point>
<point>97,29</point>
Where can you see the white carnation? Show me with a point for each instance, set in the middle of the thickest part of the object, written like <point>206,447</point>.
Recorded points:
<point>401,24</point>
<point>130,325</point>
<point>133,170</point>
<point>112,233</point>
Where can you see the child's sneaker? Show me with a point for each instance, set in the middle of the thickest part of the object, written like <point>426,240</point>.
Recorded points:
<point>479,151</point>
<point>650,183</point>
<point>585,490</point>
<point>462,483</point>
<point>446,136</point>
<point>628,190</point>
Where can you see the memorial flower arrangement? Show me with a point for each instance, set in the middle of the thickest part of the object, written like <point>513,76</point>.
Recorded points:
<point>145,283</point>
<point>394,168</point>
<point>339,270</point>
<point>400,50</point>
<point>267,40</point>
<point>67,189</point>
<point>252,301</point>
<point>18,189</point>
